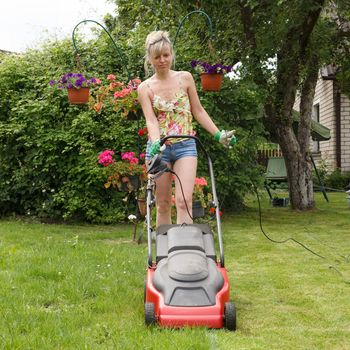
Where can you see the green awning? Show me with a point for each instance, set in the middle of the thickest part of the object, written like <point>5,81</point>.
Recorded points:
<point>318,131</point>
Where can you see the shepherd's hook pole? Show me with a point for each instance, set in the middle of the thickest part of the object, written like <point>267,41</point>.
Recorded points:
<point>188,15</point>
<point>119,51</point>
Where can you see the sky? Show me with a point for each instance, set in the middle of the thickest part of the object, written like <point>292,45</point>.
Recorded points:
<point>26,23</point>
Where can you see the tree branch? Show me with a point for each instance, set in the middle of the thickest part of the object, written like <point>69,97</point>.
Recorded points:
<point>246,15</point>
<point>292,55</point>
<point>308,24</point>
<point>250,36</point>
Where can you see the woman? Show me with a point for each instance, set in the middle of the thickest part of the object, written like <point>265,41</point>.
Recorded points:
<point>169,99</point>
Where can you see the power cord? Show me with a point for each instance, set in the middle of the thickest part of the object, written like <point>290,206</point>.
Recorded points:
<point>285,240</point>
<point>291,239</point>
<point>332,267</point>
<point>182,192</point>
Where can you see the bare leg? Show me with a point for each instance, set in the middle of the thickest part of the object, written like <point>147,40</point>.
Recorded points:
<point>186,169</point>
<point>163,199</point>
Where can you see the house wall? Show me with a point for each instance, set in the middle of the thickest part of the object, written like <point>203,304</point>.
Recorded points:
<point>345,133</point>
<point>324,96</point>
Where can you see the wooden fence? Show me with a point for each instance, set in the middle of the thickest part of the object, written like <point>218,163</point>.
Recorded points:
<point>266,151</point>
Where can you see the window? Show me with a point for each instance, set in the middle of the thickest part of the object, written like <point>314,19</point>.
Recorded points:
<point>316,118</point>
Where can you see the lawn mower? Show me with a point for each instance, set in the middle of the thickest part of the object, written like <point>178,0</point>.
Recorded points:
<point>186,285</point>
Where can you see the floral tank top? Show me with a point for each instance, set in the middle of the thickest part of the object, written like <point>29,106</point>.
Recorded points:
<point>174,116</point>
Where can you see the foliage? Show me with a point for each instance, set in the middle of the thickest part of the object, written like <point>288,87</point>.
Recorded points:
<point>48,147</point>
<point>333,180</point>
<point>337,180</point>
<point>343,76</point>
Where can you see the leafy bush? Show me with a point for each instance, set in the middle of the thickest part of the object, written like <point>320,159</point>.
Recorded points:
<point>337,180</point>
<point>48,148</point>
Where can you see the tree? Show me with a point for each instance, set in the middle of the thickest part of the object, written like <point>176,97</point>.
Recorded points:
<point>297,36</point>
<point>304,36</point>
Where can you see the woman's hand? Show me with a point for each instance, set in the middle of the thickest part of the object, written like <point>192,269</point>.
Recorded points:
<point>227,138</point>
<point>155,148</point>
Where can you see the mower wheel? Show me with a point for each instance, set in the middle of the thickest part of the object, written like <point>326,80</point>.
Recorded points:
<point>230,316</point>
<point>150,316</point>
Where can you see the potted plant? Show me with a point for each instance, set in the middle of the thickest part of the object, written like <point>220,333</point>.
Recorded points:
<point>211,74</point>
<point>78,86</point>
<point>121,97</point>
<point>141,203</point>
<point>126,174</point>
<point>200,197</point>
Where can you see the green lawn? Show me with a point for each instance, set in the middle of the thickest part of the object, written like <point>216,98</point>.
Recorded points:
<point>81,287</point>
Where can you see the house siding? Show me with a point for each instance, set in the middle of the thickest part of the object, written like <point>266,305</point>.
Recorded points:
<point>324,97</point>
<point>345,133</point>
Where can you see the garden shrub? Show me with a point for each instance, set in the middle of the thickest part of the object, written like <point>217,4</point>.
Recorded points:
<point>337,180</point>
<point>48,148</point>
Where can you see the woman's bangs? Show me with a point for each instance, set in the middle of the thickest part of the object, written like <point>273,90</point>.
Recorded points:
<point>158,48</point>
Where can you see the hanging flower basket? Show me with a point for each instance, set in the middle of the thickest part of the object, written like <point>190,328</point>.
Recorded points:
<point>211,81</point>
<point>141,202</point>
<point>78,96</point>
<point>127,175</point>
<point>129,183</point>
<point>77,86</point>
<point>211,74</point>
<point>121,97</point>
<point>133,116</point>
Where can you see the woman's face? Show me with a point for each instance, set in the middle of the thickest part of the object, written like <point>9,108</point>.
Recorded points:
<point>163,60</point>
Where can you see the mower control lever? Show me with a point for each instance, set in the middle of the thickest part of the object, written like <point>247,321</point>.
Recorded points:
<point>156,165</point>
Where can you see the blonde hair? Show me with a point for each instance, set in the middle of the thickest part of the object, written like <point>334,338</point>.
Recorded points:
<point>156,43</point>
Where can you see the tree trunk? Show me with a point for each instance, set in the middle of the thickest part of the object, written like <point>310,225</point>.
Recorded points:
<point>299,170</point>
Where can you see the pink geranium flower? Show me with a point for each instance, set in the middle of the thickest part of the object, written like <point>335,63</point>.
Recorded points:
<point>106,157</point>
<point>201,181</point>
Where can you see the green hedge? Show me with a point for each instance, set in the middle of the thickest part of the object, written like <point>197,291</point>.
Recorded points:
<point>48,148</point>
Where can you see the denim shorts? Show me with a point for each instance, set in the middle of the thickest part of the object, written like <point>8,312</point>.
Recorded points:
<point>175,151</point>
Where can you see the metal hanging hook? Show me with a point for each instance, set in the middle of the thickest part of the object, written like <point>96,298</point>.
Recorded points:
<point>209,24</point>
<point>118,50</point>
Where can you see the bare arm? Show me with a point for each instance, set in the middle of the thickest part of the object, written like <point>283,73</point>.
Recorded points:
<point>145,99</point>
<point>199,113</point>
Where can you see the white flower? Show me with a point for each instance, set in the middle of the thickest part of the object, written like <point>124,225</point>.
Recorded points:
<point>132,217</point>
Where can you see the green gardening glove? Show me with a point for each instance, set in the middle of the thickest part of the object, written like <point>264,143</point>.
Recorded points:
<point>155,148</point>
<point>227,138</point>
